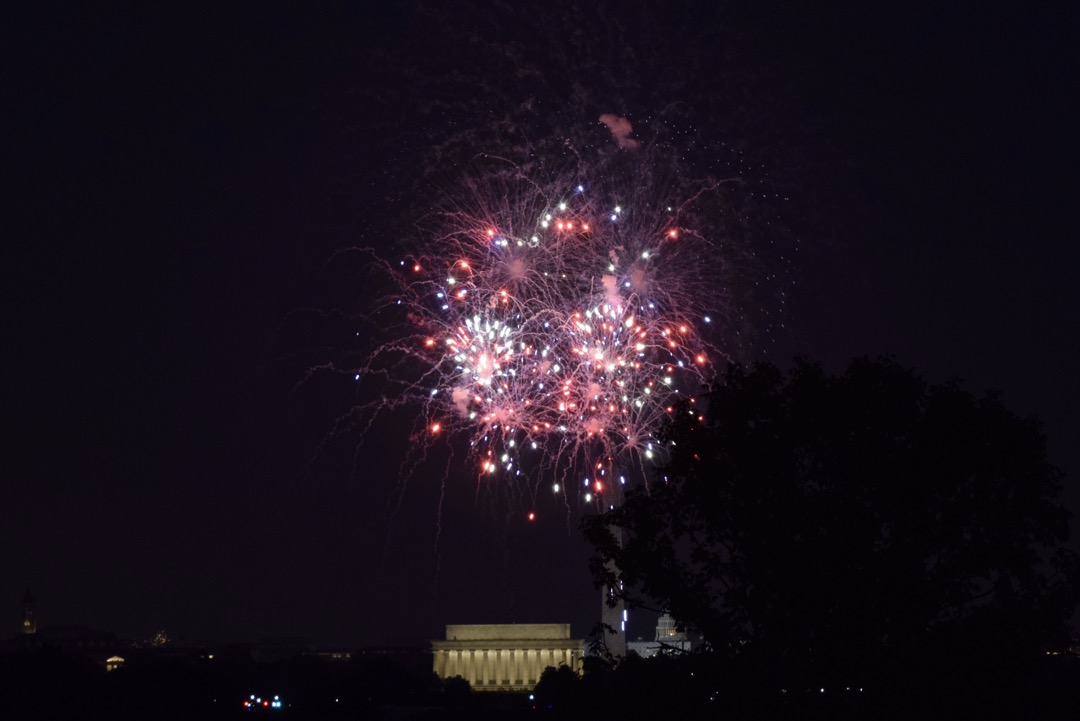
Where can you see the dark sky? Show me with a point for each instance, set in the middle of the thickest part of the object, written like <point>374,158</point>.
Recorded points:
<point>179,181</point>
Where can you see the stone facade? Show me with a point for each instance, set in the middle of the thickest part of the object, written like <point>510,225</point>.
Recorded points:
<point>505,657</point>
<point>669,639</point>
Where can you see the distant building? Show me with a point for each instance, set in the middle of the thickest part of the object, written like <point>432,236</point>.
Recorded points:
<point>29,621</point>
<point>505,657</point>
<point>331,654</point>
<point>98,646</point>
<point>668,638</point>
<point>83,640</point>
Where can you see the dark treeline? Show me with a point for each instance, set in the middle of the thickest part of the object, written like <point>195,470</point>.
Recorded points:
<point>868,530</point>
<point>50,683</point>
<point>708,685</point>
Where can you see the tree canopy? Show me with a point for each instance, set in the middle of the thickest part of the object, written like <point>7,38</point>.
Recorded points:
<point>849,529</point>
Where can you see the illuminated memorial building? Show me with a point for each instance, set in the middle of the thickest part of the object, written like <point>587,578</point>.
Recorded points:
<point>505,657</point>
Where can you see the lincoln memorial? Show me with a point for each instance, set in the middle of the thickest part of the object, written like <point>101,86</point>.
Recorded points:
<point>505,657</point>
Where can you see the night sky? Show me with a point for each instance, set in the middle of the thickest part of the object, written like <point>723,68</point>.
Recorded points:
<point>179,181</point>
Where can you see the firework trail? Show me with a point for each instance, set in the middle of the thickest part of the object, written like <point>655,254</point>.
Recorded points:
<point>554,320</point>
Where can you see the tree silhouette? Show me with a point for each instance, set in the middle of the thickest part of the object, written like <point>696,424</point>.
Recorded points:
<point>558,689</point>
<point>860,530</point>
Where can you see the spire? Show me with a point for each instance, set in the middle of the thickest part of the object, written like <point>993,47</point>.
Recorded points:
<point>29,623</point>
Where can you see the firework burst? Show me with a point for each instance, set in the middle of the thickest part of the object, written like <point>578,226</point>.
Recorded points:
<point>556,323</point>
